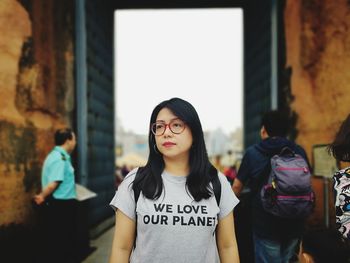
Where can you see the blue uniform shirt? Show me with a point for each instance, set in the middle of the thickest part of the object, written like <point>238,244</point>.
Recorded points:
<point>58,167</point>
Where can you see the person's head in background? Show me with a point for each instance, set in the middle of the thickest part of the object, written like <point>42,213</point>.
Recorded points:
<point>324,246</point>
<point>274,124</point>
<point>66,139</point>
<point>340,147</point>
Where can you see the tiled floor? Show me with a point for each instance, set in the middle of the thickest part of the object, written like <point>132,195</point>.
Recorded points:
<point>103,246</point>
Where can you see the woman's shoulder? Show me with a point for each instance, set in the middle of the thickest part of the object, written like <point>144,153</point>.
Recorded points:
<point>341,172</point>
<point>222,177</point>
<point>225,184</point>
<point>130,177</point>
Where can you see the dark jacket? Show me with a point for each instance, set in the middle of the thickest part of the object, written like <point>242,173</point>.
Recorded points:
<point>253,173</point>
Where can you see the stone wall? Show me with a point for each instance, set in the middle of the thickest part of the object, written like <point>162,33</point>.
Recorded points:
<point>318,51</point>
<point>36,95</point>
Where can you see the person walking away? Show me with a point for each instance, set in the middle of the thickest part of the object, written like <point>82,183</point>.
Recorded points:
<point>275,239</point>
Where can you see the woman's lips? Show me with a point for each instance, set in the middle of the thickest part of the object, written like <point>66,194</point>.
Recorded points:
<point>168,144</point>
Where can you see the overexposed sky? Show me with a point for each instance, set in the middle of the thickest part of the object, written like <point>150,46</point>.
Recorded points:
<point>194,54</point>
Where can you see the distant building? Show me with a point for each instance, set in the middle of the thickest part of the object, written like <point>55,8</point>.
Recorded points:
<point>218,143</point>
<point>129,142</point>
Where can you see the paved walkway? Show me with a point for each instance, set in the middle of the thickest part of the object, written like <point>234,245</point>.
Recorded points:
<point>103,246</point>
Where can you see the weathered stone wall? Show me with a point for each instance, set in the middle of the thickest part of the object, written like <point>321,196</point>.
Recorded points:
<point>318,51</point>
<point>36,95</point>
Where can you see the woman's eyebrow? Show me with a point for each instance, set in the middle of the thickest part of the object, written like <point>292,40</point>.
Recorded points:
<point>176,118</point>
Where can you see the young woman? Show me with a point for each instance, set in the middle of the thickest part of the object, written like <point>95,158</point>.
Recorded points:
<point>176,217</point>
<point>340,149</point>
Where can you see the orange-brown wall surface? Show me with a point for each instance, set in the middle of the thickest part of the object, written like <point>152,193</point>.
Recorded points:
<point>318,51</point>
<point>36,96</point>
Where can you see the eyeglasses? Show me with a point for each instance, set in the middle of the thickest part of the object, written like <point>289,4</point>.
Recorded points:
<point>176,126</point>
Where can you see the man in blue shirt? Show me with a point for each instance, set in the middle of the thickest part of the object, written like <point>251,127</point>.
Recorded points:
<point>58,195</point>
<point>275,238</point>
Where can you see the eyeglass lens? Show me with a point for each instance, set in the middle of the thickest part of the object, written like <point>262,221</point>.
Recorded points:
<point>176,126</point>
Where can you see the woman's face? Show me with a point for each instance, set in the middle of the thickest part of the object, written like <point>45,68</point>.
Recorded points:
<point>169,144</point>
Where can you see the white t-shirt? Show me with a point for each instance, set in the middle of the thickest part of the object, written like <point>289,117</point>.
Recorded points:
<point>174,228</point>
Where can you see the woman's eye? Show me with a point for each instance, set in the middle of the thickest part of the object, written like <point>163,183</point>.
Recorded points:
<point>178,124</point>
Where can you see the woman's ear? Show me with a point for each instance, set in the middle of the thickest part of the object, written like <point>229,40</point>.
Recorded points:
<point>263,133</point>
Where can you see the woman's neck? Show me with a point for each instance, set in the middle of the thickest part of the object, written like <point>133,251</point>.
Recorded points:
<point>178,167</point>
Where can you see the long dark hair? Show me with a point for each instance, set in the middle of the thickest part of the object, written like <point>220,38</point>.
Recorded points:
<point>340,147</point>
<point>325,245</point>
<point>149,178</point>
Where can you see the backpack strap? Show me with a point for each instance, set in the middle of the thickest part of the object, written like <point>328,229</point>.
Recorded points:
<point>137,192</point>
<point>263,178</point>
<point>286,151</point>
<point>216,188</point>
<point>215,181</point>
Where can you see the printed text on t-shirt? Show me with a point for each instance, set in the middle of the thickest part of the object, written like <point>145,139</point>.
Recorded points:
<point>200,218</point>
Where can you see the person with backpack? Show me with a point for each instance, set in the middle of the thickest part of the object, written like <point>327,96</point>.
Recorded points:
<point>340,149</point>
<point>178,207</point>
<point>277,174</point>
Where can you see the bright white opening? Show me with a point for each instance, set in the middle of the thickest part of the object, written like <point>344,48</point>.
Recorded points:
<point>194,54</point>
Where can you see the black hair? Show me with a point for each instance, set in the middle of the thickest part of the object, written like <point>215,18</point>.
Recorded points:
<point>340,147</point>
<point>326,245</point>
<point>276,123</point>
<point>198,181</point>
<point>62,135</point>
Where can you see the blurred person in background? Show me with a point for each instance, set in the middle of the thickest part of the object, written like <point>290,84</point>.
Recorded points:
<point>340,149</point>
<point>230,173</point>
<point>275,239</point>
<point>58,196</point>
<point>323,246</point>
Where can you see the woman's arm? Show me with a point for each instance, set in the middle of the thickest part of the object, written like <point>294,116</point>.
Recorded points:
<point>124,236</point>
<point>226,240</point>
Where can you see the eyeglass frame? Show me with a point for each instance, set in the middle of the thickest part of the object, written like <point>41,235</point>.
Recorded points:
<point>167,125</point>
